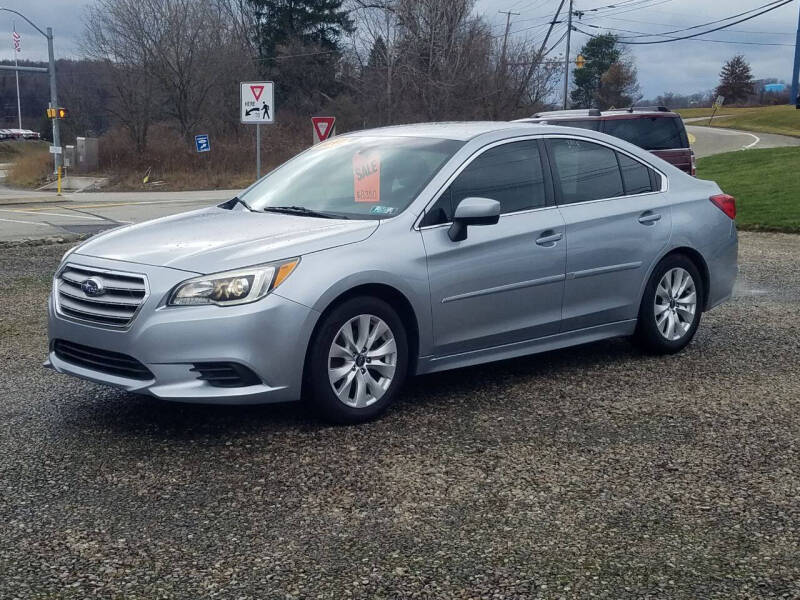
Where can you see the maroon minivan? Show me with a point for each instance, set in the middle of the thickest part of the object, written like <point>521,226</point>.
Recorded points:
<point>654,128</point>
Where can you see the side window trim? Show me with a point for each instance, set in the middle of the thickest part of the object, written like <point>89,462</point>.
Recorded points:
<point>655,175</point>
<point>550,201</point>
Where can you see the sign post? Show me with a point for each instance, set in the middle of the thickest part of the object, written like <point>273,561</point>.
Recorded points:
<point>717,105</point>
<point>323,128</point>
<point>257,106</point>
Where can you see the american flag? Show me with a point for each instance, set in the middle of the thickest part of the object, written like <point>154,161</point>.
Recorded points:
<point>16,38</point>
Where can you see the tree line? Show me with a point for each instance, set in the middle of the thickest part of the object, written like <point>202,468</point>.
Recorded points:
<point>150,64</point>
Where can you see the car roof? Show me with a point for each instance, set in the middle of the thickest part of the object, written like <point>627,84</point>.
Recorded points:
<point>594,114</point>
<point>453,130</point>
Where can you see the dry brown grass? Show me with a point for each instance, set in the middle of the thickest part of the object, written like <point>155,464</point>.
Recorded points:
<point>30,169</point>
<point>174,161</point>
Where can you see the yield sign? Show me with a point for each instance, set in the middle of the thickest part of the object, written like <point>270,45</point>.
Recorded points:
<point>257,91</point>
<point>257,102</point>
<point>323,128</point>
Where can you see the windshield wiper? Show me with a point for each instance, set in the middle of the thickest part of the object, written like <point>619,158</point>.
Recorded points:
<point>302,211</point>
<point>229,204</point>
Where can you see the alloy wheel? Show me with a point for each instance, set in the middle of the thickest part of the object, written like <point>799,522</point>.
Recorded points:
<point>362,361</point>
<point>675,304</point>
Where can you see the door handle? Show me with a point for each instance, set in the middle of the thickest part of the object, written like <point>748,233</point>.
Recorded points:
<point>549,239</point>
<point>649,218</point>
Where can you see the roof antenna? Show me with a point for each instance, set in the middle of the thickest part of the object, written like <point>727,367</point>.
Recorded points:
<point>630,110</point>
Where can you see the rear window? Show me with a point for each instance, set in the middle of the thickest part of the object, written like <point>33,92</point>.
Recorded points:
<point>593,124</point>
<point>650,133</point>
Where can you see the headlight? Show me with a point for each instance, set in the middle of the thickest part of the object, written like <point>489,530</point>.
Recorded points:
<point>233,287</point>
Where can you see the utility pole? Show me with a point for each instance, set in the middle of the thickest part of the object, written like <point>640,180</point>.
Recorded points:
<point>566,55</point>
<point>796,71</point>
<point>508,14</point>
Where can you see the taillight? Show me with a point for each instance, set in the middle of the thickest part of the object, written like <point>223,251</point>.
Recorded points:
<point>725,203</point>
<point>694,164</point>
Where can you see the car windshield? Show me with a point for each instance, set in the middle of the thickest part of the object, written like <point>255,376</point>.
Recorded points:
<point>360,177</point>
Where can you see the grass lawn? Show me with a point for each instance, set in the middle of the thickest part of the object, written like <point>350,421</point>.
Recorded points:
<point>768,119</point>
<point>766,184</point>
<point>690,113</point>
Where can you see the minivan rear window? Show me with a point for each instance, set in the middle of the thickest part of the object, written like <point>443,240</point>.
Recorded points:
<point>650,133</point>
<point>593,124</point>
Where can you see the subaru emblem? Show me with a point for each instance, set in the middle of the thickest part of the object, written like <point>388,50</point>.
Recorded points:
<point>93,287</point>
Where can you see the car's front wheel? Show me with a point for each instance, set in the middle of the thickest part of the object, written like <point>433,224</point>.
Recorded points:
<point>358,360</point>
<point>671,306</point>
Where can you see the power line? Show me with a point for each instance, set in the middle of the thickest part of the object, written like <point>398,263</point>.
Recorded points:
<point>696,39</point>
<point>665,33</point>
<point>791,33</point>
<point>628,7</point>
<point>686,37</point>
<point>639,7</point>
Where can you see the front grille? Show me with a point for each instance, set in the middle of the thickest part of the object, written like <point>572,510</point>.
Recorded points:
<point>225,374</point>
<point>115,306</point>
<point>104,361</point>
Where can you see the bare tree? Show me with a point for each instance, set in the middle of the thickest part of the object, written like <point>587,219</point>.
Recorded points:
<point>131,82</point>
<point>179,52</point>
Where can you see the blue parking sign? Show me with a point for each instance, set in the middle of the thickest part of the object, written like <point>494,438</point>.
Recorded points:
<point>202,143</point>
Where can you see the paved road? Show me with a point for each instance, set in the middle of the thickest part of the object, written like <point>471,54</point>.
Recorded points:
<point>711,140</point>
<point>31,215</point>
<point>91,213</point>
<point>592,472</point>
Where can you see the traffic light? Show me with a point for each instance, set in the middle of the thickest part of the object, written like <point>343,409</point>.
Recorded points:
<point>57,113</point>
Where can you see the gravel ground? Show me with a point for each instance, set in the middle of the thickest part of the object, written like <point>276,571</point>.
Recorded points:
<point>588,472</point>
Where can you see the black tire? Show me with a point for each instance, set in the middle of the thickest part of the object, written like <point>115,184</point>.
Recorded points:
<point>321,394</point>
<point>648,336</point>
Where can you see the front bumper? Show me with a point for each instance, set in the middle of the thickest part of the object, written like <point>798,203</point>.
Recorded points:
<point>269,337</point>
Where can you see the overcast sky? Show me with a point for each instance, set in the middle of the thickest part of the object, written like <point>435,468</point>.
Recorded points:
<point>685,66</point>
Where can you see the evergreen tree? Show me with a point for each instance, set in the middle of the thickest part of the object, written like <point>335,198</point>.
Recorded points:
<point>308,22</point>
<point>735,80</point>
<point>600,53</point>
<point>299,43</point>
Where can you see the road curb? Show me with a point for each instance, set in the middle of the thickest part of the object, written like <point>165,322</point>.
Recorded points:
<point>32,200</point>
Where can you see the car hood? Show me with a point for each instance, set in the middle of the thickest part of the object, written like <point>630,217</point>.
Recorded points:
<point>215,239</point>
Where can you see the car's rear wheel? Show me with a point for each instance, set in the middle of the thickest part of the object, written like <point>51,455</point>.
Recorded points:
<point>671,306</point>
<point>358,360</point>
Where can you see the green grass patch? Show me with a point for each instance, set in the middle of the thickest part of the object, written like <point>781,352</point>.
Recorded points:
<point>784,120</point>
<point>691,113</point>
<point>765,183</point>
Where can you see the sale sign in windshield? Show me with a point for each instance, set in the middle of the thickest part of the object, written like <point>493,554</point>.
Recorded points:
<point>367,177</point>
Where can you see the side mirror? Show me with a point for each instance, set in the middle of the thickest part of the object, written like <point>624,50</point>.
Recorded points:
<point>473,211</point>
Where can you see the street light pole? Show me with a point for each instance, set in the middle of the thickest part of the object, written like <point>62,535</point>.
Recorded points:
<point>54,99</point>
<point>796,70</point>
<point>52,70</point>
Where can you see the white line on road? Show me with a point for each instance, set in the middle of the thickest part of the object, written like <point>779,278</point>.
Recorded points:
<point>758,139</point>
<point>26,222</point>
<point>31,212</point>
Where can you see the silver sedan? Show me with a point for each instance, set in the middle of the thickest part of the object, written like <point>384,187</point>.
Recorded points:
<point>386,253</point>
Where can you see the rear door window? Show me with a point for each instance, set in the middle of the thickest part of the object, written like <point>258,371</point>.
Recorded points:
<point>585,171</point>
<point>650,133</point>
